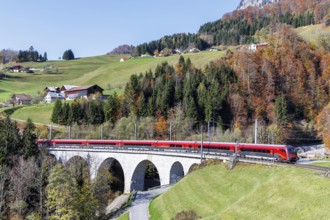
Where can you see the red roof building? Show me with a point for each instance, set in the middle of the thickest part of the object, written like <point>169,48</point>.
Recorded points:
<point>83,92</point>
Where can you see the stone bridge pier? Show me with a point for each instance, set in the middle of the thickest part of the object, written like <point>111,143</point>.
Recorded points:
<point>171,168</point>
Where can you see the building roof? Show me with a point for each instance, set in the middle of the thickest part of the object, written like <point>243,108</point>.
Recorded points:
<point>23,97</point>
<point>68,87</point>
<point>51,88</point>
<point>80,88</point>
<point>54,95</point>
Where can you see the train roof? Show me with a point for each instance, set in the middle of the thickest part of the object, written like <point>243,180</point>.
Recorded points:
<point>174,142</point>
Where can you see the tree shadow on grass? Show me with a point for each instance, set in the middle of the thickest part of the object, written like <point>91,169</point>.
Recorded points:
<point>11,111</point>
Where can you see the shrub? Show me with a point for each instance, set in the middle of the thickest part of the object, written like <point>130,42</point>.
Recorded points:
<point>186,215</point>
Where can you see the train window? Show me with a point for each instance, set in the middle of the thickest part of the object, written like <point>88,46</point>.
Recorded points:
<point>291,150</point>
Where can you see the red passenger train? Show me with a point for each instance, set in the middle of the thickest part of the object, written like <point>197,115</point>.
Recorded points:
<point>283,153</point>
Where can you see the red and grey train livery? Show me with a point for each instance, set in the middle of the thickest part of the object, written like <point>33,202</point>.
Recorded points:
<point>283,153</point>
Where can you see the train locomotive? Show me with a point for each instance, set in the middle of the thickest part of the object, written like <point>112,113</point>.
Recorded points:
<point>280,153</point>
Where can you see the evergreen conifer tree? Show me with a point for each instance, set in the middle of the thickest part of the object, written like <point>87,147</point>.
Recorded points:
<point>30,147</point>
<point>65,117</point>
<point>281,111</point>
<point>76,113</point>
<point>10,141</point>
<point>57,112</point>
<point>142,106</point>
<point>111,107</point>
<point>45,57</point>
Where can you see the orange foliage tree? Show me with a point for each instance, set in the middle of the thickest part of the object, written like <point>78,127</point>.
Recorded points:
<point>161,127</point>
<point>323,125</point>
<point>289,66</point>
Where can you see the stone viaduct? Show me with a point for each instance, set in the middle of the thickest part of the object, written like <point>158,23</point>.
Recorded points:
<point>171,166</point>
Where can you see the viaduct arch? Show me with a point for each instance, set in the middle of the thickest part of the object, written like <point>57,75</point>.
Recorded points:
<point>171,168</point>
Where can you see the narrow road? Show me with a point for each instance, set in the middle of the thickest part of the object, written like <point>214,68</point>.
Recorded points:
<point>139,209</point>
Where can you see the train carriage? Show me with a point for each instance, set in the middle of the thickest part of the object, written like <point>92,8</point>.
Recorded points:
<point>278,152</point>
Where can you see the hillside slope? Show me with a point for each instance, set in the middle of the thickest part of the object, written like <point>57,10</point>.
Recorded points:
<point>312,33</point>
<point>247,192</point>
<point>101,70</point>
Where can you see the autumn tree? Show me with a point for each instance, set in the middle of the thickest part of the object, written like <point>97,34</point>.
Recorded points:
<point>161,127</point>
<point>102,186</point>
<point>61,194</point>
<point>85,204</point>
<point>146,128</point>
<point>323,125</point>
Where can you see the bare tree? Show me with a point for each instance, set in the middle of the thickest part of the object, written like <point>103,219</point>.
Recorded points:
<point>4,177</point>
<point>21,179</point>
<point>41,169</point>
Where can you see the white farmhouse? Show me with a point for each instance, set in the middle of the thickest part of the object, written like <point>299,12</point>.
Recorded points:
<point>52,97</point>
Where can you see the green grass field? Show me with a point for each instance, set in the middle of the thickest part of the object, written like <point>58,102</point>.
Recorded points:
<point>124,216</point>
<point>247,192</point>
<point>324,163</point>
<point>40,113</point>
<point>101,70</point>
<point>313,32</point>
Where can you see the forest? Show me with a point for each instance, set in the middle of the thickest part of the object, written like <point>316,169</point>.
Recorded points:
<point>33,185</point>
<point>285,89</point>
<point>243,26</point>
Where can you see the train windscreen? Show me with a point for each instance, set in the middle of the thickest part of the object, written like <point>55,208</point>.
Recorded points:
<point>291,150</point>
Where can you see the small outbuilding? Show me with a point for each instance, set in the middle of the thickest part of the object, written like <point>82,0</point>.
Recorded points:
<point>22,99</point>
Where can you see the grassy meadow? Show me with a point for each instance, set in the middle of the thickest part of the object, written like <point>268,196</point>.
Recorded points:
<point>124,216</point>
<point>101,70</point>
<point>323,163</point>
<point>40,113</point>
<point>247,192</point>
<point>312,33</point>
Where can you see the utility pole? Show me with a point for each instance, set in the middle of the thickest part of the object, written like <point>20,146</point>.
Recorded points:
<point>69,132</point>
<point>256,132</point>
<point>135,131</point>
<point>202,147</point>
<point>208,131</point>
<point>50,131</point>
<point>101,131</point>
<point>170,131</point>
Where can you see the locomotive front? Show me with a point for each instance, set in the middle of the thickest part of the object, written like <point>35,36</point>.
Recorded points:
<point>292,154</point>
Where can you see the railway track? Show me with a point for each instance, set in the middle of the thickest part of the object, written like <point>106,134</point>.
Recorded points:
<point>311,167</point>
<point>306,166</point>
